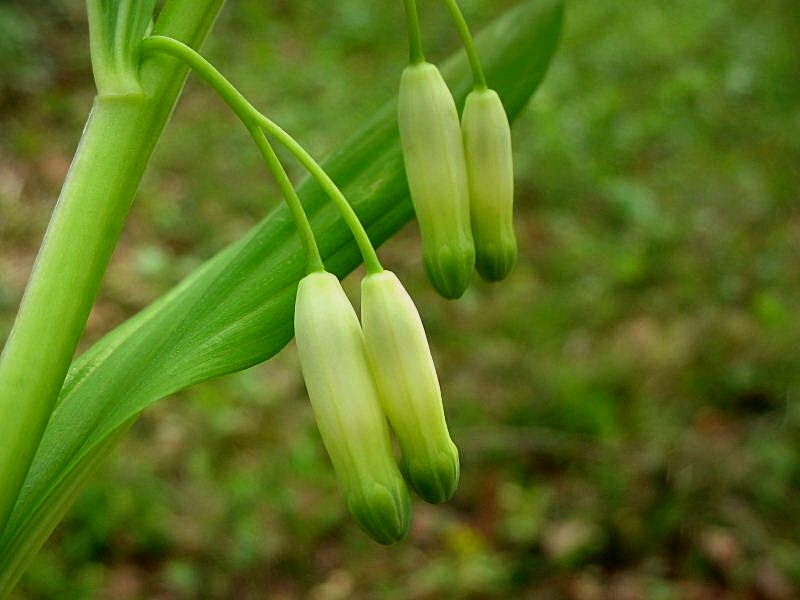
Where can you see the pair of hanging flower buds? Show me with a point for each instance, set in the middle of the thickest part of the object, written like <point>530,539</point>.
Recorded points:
<point>461,178</point>
<point>358,374</point>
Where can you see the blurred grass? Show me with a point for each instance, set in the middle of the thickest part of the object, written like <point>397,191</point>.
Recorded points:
<point>626,403</point>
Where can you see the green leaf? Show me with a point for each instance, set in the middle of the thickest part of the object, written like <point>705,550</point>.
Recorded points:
<point>116,27</point>
<point>236,310</point>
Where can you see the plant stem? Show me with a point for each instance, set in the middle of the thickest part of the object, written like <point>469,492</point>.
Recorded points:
<point>371,261</point>
<point>74,254</point>
<point>414,35</point>
<point>313,259</point>
<point>115,148</point>
<point>243,110</point>
<point>249,115</point>
<point>478,78</point>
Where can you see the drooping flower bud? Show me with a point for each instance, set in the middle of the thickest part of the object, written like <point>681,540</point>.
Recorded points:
<point>433,153</point>
<point>408,386</point>
<point>487,145</point>
<point>342,390</point>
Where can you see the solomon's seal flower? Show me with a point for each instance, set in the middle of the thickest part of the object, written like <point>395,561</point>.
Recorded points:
<point>433,152</point>
<point>346,406</point>
<point>487,145</point>
<point>409,389</point>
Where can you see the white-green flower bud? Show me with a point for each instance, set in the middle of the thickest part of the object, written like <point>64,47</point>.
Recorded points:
<point>487,145</point>
<point>433,153</point>
<point>342,390</point>
<point>408,386</point>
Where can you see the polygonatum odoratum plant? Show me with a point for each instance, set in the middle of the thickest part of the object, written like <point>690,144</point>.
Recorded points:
<point>441,151</point>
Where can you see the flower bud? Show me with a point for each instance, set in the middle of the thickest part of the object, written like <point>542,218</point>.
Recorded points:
<point>342,390</point>
<point>408,387</point>
<point>487,146</point>
<point>433,152</point>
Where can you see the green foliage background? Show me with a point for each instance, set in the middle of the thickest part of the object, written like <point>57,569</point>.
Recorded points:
<point>626,403</point>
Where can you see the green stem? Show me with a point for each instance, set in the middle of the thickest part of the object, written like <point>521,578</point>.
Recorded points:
<point>414,35</point>
<point>313,259</point>
<point>243,110</point>
<point>478,78</point>
<point>79,240</point>
<point>114,150</point>
<point>371,261</point>
<point>249,115</point>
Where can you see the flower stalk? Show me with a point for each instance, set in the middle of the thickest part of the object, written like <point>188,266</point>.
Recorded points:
<point>251,117</point>
<point>416,55</point>
<point>478,78</point>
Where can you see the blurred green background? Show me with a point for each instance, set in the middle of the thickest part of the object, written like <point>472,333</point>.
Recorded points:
<point>627,403</point>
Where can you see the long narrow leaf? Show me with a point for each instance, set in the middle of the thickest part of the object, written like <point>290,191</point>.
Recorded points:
<point>236,310</point>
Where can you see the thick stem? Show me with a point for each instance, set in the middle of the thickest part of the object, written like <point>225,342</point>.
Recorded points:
<point>74,254</point>
<point>115,147</point>
<point>478,78</point>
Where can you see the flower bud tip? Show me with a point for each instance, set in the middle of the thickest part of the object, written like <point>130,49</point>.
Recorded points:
<point>450,269</point>
<point>435,479</point>
<point>384,516</point>
<point>496,260</point>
